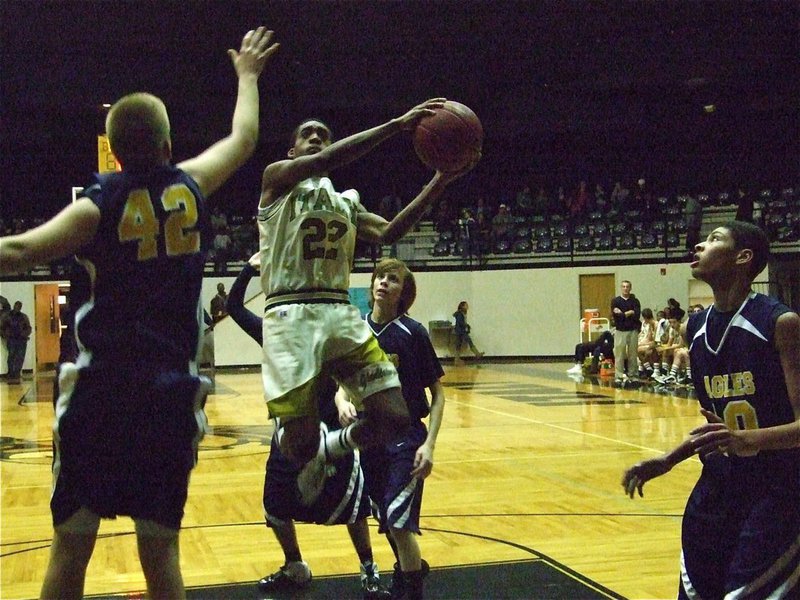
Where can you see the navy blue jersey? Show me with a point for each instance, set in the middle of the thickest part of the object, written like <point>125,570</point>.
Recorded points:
<point>737,373</point>
<point>407,343</point>
<point>146,267</point>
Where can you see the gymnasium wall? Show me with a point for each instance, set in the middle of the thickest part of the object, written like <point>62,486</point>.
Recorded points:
<point>524,312</point>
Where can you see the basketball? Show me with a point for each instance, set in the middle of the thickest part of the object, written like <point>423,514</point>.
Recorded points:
<point>449,139</point>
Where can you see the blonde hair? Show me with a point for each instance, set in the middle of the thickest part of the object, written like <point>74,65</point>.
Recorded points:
<point>138,126</point>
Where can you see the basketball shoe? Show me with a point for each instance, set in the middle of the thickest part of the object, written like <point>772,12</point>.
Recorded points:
<point>291,576</point>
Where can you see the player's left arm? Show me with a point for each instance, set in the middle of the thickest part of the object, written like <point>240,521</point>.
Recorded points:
<point>423,461</point>
<point>780,437</point>
<point>374,229</point>
<point>61,236</point>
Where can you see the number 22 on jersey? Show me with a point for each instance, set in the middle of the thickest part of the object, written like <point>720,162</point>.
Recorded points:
<point>139,222</point>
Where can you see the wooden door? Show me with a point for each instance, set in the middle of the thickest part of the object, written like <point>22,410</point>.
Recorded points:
<point>597,291</point>
<point>48,331</point>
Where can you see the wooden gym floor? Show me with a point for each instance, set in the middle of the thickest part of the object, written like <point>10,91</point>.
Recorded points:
<point>527,471</point>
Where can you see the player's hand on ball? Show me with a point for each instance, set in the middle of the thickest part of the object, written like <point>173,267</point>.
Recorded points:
<point>427,108</point>
<point>449,176</point>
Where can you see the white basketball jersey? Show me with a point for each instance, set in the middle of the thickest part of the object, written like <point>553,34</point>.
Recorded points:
<point>307,241</point>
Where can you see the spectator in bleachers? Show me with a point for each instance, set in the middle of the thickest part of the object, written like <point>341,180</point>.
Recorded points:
<point>579,202</point>
<point>502,224</point>
<point>744,205</point>
<point>524,202</point>
<point>222,247</point>
<point>619,197</point>
<point>693,213</point>
<point>541,203</point>
<point>389,205</point>
<point>601,203</point>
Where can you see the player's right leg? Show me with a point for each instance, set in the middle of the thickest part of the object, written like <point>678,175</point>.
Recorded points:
<point>159,555</point>
<point>73,544</point>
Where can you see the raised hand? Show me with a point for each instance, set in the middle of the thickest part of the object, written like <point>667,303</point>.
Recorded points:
<point>409,120</point>
<point>254,52</point>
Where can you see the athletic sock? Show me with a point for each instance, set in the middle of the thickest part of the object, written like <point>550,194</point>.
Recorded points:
<point>340,443</point>
<point>673,372</point>
<point>293,556</point>
<point>688,372</point>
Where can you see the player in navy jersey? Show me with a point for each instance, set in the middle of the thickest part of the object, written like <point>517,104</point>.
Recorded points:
<point>741,525</point>
<point>343,500</point>
<point>129,414</point>
<point>396,472</point>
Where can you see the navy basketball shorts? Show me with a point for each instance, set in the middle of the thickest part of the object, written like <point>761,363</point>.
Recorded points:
<point>343,499</point>
<point>125,442</point>
<point>739,539</point>
<point>396,496</point>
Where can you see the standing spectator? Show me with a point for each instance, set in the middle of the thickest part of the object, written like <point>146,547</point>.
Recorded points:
<point>219,302</point>
<point>462,331</point>
<point>222,248</point>
<point>395,473</point>
<point>626,312</point>
<point>741,524</point>
<point>15,330</point>
<point>693,212</point>
<point>466,232</point>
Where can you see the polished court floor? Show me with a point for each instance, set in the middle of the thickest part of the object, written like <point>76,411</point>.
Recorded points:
<point>527,468</point>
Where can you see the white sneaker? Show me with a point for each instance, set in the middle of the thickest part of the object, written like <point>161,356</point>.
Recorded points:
<point>577,368</point>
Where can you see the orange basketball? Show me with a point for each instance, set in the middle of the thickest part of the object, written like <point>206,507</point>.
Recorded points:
<point>449,139</point>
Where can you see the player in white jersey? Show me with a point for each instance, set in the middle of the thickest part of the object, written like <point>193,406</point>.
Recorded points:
<point>307,241</point>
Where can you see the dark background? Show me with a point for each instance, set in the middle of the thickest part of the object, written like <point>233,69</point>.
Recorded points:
<point>566,90</point>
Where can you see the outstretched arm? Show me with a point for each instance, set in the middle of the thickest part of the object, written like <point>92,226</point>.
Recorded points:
<point>61,236</point>
<point>216,164</point>
<point>283,175</point>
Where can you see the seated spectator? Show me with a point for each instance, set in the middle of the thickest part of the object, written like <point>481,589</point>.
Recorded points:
<point>647,344</point>
<point>541,204</point>
<point>662,327</point>
<point>663,372</point>
<point>602,347</point>
<point>502,224</point>
<point>524,202</point>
